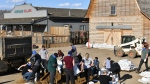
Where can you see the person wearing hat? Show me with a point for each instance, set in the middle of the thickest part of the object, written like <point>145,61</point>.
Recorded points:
<point>52,65</point>
<point>69,63</point>
<point>73,50</point>
<point>36,61</point>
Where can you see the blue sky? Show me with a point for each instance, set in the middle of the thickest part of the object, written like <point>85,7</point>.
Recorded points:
<point>77,4</point>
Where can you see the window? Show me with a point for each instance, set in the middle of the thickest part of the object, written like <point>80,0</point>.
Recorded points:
<point>82,27</point>
<point>113,9</point>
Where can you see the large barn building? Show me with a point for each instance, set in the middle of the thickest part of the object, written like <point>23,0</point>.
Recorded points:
<point>111,19</point>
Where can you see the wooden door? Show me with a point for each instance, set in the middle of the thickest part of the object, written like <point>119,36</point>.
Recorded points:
<point>112,37</point>
<point>117,37</point>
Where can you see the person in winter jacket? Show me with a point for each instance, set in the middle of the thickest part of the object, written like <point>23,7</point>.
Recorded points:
<point>52,65</point>
<point>115,68</point>
<point>36,61</point>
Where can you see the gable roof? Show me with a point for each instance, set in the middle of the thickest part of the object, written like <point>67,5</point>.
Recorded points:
<point>90,7</point>
<point>64,12</point>
<point>54,12</point>
<point>144,7</point>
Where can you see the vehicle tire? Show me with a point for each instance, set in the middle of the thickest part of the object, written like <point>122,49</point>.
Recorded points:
<point>120,52</point>
<point>3,66</point>
<point>132,54</point>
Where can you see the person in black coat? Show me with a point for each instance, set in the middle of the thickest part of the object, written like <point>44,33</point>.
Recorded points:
<point>104,78</point>
<point>115,68</point>
<point>36,61</point>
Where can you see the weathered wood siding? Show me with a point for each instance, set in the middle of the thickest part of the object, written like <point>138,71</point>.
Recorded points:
<point>127,13</point>
<point>146,28</point>
<point>60,31</point>
<point>97,35</point>
<point>123,8</point>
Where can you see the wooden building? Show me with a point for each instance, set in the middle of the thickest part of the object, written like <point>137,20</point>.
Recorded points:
<point>110,19</point>
<point>26,19</point>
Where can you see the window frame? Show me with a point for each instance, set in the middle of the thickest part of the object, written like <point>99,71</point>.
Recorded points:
<point>82,27</point>
<point>113,10</point>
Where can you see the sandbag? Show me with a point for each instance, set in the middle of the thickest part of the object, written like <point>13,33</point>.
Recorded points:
<point>144,80</point>
<point>145,74</point>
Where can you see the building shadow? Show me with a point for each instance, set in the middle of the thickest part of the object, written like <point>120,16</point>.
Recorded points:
<point>125,77</point>
<point>6,82</point>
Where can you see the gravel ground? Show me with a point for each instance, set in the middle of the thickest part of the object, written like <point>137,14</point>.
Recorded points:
<point>102,54</point>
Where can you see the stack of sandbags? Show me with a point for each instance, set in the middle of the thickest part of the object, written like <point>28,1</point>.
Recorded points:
<point>100,46</point>
<point>145,77</point>
<point>145,74</point>
<point>126,65</point>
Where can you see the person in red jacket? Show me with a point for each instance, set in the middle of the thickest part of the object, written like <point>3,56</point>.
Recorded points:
<point>69,63</point>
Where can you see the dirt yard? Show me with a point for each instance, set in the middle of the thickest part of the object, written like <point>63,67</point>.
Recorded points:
<point>102,54</point>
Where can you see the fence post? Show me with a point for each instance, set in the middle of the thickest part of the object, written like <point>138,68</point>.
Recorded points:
<point>88,43</point>
<point>43,40</point>
<point>36,38</point>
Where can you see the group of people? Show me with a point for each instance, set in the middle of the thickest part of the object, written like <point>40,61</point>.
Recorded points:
<point>36,63</point>
<point>32,68</point>
<point>42,62</point>
<point>113,68</point>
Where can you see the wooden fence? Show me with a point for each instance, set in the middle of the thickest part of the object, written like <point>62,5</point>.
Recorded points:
<point>60,31</point>
<point>56,41</point>
<point>79,37</point>
<point>36,36</point>
<point>57,37</point>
